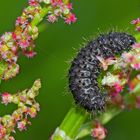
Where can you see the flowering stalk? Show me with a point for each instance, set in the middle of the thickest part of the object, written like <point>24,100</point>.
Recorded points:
<point>71,124</point>
<point>22,40</point>
<point>79,129</point>
<point>26,31</point>
<point>27,107</point>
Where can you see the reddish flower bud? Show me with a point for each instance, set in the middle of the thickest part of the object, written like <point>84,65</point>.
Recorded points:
<point>99,132</point>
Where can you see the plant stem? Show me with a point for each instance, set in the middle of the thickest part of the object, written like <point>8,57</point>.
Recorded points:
<point>71,124</point>
<point>3,67</point>
<point>39,17</point>
<point>66,1</point>
<point>137,36</point>
<point>86,128</point>
<point>44,11</point>
<point>37,20</point>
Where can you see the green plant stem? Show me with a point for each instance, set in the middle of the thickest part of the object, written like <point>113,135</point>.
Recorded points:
<point>3,67</point>
<point>66,1</point>
<point>137,36</point>
<point>108,115</point>
<point>44,11</point>
<point>72,123</point>
<point>39,17</point>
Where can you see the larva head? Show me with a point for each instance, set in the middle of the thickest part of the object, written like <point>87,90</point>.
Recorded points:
<point>123,39</point>
<point>128,39</point>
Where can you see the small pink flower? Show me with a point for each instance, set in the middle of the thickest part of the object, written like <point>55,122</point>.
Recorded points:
<point>106,62</point>
<point>128,57</point>
<point>29,54</point>
<point>17,116</point>
<point>138,28</point>
<point>14,36</point>
<point>6,98</point>
<point>22,125</point>
<point>11,138</point>
<point>136,66</point>
<point>23,43</point>
<point>99,132</point>
<point>21,21</point>
<point>71,19</point>
<point>23,98</point>
<point>69,6</point>
<point>33,3</point>
<point>2,131</point>
<point>18,21</point>
<point>14,49</point>
<point>52,18</point>
<point>118,87</point>
<point>54,2</point>
<point>136,21</point>
<point>32,112</point>
<point>59,2</point>
<point>136,45</point>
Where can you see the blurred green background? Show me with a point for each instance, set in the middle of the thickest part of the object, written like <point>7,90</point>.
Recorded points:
<point>55,47</point>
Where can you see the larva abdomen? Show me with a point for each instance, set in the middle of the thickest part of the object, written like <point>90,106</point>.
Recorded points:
<point>85,68</point>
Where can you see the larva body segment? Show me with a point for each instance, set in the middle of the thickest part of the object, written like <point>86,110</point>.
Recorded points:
<point>86,68</point>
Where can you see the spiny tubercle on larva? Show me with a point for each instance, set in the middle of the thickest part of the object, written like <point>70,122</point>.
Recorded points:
<point>85,68</point>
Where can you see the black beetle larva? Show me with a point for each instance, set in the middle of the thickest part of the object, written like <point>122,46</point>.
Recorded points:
<point>86,68</point>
